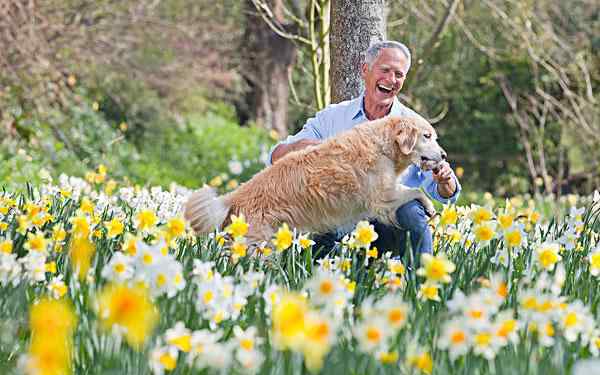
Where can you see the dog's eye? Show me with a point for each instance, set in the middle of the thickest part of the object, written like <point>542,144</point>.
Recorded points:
<point>427,135</point>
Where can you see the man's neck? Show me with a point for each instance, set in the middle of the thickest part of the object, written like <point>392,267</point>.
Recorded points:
<point>374,111</point>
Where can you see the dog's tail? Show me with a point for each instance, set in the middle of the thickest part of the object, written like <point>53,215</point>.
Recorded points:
<point>205,210</point>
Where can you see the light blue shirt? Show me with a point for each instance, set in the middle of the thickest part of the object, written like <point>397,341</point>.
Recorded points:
<point>340,117</point>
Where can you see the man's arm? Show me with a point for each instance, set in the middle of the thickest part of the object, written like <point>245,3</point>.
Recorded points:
<point>443,186</point>
<point>309,135</point>
<point>284,149</point>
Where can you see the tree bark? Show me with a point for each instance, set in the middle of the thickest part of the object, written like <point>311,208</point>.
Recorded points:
<point>355,24</point>
<point>269,60</point>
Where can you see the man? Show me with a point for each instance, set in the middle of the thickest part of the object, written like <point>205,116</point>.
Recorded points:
<point>383,72</point>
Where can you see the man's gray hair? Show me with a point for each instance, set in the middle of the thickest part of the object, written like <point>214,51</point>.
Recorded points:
<point>373,50</point>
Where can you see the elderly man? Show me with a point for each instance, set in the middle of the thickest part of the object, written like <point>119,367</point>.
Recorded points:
<point>383,72</point>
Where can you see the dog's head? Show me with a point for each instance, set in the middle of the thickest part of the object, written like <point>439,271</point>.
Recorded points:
<point>415,139</point>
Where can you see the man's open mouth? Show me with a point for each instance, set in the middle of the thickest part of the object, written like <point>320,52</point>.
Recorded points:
<point>385,89</point>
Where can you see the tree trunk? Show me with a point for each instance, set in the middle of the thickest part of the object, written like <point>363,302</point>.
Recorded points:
<point>355,24</point>
<point>269,59</point>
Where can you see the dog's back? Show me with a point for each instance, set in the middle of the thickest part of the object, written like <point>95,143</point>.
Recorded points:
<point>314,189</point>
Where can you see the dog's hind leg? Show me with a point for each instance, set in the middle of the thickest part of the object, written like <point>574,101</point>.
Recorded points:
<point>258,233</point>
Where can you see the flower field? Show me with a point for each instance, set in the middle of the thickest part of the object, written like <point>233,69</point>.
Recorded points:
<point>97,278</point>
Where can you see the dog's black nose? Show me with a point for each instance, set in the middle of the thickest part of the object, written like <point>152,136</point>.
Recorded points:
<point>444,155</point>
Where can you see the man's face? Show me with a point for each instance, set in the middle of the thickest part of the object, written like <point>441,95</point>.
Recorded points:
<point>384,79</point>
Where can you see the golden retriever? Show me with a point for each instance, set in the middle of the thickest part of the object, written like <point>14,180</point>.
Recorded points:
<point>344,179</point>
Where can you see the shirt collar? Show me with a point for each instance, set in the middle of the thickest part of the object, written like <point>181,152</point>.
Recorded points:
<point>359,107</point>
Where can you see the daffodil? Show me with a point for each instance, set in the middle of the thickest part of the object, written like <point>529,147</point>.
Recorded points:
<point>57,287</point>
<point>481,214</point>
<point>114,227</point>
<point>484,232</point>
<point>36,242</point>
<point>289,317</point>
<point>6,246</point>
<point>145,220</point>
<point>238,250</point>
<point>449,216</point>
<point>81,252</point>
<point>594,260</point>
<point>86,206</point>
<point>455,338</point>
<point>59,233</point>
<point>238,227</point>
<point>52,324</point>
<point>548,255</point>
<point>180,337</point>
<point>429,291</point>
<point>81,226</point>
<point>436,268</point>
<point>283,238</point>
<point>130,308</point>
<point>364,234</point>
<point>514,235</point>
<point>421,361</point>
<point>175,227</point>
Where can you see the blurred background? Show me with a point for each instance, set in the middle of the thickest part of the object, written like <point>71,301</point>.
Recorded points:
<point>197,91</point>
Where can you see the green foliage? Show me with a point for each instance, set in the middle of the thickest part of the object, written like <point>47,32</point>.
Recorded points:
<point>125,126</point>
<point>200,148</point>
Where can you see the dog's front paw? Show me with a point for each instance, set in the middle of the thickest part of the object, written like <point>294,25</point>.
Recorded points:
<point>428,205</point>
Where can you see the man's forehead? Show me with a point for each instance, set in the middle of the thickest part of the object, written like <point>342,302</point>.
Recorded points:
<point>391,56</point>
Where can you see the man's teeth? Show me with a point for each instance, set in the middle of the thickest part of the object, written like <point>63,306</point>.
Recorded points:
<point>385,88</point>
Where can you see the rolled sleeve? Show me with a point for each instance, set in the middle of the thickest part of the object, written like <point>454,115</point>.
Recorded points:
<point>431,187</point>
<point>310,130</point>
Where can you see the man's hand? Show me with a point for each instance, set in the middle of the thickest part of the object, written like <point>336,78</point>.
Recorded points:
<point>283,150</point>
<point>444,176</point>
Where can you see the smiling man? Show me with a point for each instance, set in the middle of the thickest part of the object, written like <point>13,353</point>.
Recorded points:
<point>383,72</point>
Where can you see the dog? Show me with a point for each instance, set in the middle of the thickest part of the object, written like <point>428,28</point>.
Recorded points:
<point>317,189</point>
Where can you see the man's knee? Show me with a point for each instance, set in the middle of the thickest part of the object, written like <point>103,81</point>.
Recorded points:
<point>412,216</point>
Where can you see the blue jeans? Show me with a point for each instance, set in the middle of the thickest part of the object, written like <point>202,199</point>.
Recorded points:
<point>412,219</point>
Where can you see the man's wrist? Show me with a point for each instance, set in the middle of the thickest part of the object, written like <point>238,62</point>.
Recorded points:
<point>447,190</point>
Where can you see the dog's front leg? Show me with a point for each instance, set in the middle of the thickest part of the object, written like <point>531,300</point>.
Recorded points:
<point>389,201</point>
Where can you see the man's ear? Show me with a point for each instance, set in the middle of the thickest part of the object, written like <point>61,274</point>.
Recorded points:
<point>407,139</point>
<point>364,70</point>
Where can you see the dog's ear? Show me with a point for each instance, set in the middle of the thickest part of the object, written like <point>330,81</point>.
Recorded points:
<point>407,138</point>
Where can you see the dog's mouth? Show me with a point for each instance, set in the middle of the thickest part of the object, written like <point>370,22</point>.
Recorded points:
<point>429,164</point>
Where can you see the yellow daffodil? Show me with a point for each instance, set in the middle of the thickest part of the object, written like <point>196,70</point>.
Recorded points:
<point>175,227</point>
<point>289,321</point>
<point>436,268</point>
<point>283,238</point>
<point>449,216</point>
<point>130,308</point>
<point>81,251</point>
<point>484,232</point>
<point>145,220</point>
<point>594,260</point>
<point>238,227</point>
<point>114,227</point>
<point>548,255</point>
<point>422,362</point>
<point>36,242</point>
<point>481,214</point>
<point>6,246</point>
<point>81,226</point>
<point>364,234</point>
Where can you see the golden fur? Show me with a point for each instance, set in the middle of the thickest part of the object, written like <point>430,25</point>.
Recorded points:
<point>317,189</point>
